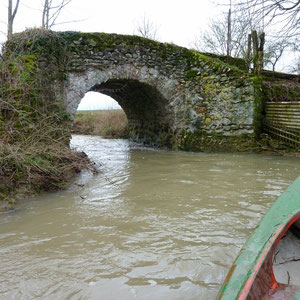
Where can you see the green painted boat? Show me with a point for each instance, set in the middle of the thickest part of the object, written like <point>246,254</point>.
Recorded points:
<point>268,266</point>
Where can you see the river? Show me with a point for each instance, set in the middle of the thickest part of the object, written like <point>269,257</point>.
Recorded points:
<point>152,224</point>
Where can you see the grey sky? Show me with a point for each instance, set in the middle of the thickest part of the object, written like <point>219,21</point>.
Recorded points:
<point>178,21</point>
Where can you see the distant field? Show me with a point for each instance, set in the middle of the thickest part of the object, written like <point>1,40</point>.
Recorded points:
<point>105,123</point>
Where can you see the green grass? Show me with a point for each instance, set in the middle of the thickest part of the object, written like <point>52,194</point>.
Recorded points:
<point>105,123</point>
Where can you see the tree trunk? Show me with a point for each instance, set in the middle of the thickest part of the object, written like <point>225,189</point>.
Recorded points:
<point>229,35</point>
<point>260,57</point>
<point>11,16</point>
<point>255,51</point>
<point>9,20</point>
<point>248,54</point>
<point>258,51</point>
<point>45,16</point>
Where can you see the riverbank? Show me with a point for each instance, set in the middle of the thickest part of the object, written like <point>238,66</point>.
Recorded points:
<point>35,155</point>
<point>105,123</point>
<point>26,170</point>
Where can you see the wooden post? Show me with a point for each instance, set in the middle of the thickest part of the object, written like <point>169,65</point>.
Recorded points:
<point>260,57</point>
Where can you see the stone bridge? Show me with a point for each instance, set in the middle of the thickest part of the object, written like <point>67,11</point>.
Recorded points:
<point>172,96</point>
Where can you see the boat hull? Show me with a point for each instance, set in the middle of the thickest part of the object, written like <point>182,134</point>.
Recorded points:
<point>252,274</point>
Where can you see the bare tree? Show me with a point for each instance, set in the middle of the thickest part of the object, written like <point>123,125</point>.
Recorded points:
<point>146,28</point>
<point>222,40</point>
<point>11,17</point>
<point>253,46</point>
<point>51,11</point>
<point>296,66</point>
<point>275,49</point>
<point>285,14</point>
<point>258,43</point>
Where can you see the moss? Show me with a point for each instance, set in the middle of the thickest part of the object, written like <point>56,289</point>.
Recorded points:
<point>259,105</point>
<point>85,44</point>
<point>191,74</point>
<point>200,141</point>
<point>218,66</point>
<point>80,42</point>
<point>283,90</point>
<point>211,88</point>
<point>277,76</point>
<point>207,121</point>
<point>233,61</point>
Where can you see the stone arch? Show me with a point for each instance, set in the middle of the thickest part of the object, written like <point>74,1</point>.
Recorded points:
<point>146,109</point>
<point>143,94</point>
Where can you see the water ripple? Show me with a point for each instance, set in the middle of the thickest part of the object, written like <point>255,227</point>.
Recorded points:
<point>152,225</point>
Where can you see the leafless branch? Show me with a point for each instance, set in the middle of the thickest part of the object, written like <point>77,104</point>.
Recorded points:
<point>146,28</point>
<point>11,17</point>
<point>51,12</point>
<point>67,22</point>
<point>285,14</point>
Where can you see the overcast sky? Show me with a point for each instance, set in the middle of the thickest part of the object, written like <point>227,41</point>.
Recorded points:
<point>177,21</point>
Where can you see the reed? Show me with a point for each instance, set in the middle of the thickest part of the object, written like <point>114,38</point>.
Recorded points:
<point>105,123</point>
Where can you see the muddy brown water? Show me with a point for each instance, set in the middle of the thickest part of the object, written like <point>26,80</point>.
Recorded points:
<point>152,225</point>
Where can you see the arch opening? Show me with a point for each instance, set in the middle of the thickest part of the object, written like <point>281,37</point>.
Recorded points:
<point>148,112</point>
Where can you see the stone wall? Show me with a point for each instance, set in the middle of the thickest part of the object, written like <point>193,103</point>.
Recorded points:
<point>164,89</point>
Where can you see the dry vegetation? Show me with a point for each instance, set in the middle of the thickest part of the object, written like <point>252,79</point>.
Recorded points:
<point>105,123</point>
<point>34,127</point>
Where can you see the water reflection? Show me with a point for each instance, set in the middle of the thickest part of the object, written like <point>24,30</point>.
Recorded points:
<point>152,225</point>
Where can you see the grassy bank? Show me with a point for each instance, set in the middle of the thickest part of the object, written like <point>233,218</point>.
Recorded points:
<point>105,123</point>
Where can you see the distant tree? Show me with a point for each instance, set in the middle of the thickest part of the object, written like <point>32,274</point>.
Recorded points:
<point>146,28</point>
<point>216,38</point>
<point>245,41</point>
<point>51,11</point>
<point>11,17</point>
<point>275,49</point>
<point>296,67</point>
